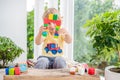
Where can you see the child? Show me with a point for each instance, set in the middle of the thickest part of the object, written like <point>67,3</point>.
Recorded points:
<point>51,59</point>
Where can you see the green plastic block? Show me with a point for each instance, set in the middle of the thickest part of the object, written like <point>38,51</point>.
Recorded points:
<point>45,25</point>
<point>57,28</point>
<point>45,33</point>
<point>55,36</point>
<point>55,17</point>
<point>11,71</point>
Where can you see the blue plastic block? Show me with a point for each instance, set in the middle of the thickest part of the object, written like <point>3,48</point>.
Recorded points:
<point>7,71</point>
<point>56,34</point>
<point>23,67</point>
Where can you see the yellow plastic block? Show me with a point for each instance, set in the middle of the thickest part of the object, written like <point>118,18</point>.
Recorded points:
<point>50,16</point>
<point>11,71</point>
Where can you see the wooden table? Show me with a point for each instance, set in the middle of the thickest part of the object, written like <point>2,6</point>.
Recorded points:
<point>49,74</point>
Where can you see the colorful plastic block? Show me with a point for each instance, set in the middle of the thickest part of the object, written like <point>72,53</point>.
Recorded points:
<point>50,16</point>
<point>46,21</point>
<point>55,17</point>
<point>7,71</point>
<point>45,33</point>
<point>58,22</point>
<point>55,36</point>
<point>57,28</point>
<point>91,71</point>
<point>45,25</point>
<point>23,67</point>
<point>11,71</point>
<point>17,71</point>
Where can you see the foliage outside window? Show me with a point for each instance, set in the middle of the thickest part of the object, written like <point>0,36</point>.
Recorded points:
<point>30,34</point>
<point>104,30</point>
<point>85,10</point>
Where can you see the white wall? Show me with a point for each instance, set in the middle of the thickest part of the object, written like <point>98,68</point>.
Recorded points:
<point>13,23</point>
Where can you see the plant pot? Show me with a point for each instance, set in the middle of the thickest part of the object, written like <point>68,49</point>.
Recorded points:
<point>109,75</point>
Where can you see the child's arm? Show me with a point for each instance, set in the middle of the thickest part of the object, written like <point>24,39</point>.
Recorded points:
<point>67,36</point>
<point>39,39</point>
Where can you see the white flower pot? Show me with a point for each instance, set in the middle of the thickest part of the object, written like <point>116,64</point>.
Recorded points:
<point>109,75</point>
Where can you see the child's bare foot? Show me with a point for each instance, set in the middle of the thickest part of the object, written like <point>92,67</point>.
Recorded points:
<point>30,63</point>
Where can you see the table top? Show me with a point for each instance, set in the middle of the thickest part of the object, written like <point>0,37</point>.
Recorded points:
<point>50,74</point>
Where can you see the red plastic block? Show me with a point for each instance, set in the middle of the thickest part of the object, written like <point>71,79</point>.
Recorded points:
<point>46,21</point>
<point>91,71</point>
<point>58,22</point>
<point>17,71</point>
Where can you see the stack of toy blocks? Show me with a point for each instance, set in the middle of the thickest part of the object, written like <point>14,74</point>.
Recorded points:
<point>52,18</point>
<point>12,71</point>
<point>16,70</point>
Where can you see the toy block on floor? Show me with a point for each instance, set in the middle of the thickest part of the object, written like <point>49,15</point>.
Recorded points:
<point>23,67</point>
<point>17,71</point>
<point>11,71</point>
<point>7,71</point>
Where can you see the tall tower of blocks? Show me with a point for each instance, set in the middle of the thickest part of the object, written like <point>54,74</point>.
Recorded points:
<point>52,18</point>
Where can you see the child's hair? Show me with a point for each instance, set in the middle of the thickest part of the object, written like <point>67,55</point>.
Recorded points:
<point>51,11</point>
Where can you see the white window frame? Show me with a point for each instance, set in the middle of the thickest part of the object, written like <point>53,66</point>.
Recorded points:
<point>67,12</point>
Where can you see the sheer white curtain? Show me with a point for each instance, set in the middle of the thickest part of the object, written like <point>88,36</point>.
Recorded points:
<point>67,12</point>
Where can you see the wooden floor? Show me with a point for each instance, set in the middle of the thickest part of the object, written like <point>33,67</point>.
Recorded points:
<point>53,74</point>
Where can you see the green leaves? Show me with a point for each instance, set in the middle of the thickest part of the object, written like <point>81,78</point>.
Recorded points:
<point>85,10</point>
<point>104,29</point>
<point>8,50</point>
<point>30,34</point>
<point>117,64</point>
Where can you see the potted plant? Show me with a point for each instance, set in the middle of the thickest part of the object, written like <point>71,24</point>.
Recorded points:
<point>8,51</point>
<point>104,30</point>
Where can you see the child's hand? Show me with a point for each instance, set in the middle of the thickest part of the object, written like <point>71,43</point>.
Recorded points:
<point>63,31</point>
<point>67,37</point>
<point>42,29</point>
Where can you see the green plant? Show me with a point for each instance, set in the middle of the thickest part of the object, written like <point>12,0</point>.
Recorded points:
<point>30,34</point>
<point>104,30</point>
<point>84,10</point>
<point>8,50</point>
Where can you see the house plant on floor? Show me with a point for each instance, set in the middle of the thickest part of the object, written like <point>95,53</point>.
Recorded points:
<point>8,51</point>
<point>104,30</point>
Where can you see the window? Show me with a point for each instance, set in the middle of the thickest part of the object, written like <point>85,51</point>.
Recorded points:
<point>85,10</point>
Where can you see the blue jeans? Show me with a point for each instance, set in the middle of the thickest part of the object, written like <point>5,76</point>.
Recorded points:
<point>44,62</point>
